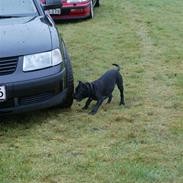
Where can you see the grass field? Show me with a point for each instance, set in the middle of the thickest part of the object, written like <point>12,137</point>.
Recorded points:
<point>142,142</point>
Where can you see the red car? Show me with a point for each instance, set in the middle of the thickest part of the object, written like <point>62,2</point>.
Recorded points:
<point>74,9</point>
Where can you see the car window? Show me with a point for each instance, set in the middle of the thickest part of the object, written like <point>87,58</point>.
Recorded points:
<point>17,8</point>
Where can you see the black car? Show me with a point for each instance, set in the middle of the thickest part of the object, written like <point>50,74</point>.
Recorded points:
<point>35,68</point>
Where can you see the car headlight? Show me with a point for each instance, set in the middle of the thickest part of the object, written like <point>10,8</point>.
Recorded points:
<point>76,1</point>
<point>42,60</point>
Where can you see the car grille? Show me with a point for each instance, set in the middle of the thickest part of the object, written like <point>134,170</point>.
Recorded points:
<point>8,65</point>
<point>9,103</point>
<point>26,100</point>
<point>35,99</point>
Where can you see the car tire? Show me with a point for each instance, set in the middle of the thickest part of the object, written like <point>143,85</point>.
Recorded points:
<point>91,10</point>
<point>97,3</point>
<point>67,103</point>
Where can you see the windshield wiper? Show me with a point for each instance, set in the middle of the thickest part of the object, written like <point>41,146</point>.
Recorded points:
<point>8,16</point>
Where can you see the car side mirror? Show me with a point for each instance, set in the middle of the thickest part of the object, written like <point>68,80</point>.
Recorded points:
<point>52,4</point>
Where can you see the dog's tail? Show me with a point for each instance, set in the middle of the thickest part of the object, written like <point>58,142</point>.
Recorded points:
<point>117,66</point>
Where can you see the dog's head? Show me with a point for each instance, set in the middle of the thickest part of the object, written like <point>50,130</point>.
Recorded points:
<point>81,91</point>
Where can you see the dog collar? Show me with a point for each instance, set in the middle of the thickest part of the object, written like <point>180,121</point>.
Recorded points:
<point>90,89</point>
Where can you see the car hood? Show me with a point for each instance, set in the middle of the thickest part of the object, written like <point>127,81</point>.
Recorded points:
<point>24,36</point>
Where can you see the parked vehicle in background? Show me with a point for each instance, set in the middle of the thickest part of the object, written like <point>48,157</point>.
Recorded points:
<point>74,9</point>
<point>35,69</point>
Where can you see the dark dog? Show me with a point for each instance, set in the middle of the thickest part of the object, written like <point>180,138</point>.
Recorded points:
<point>100,89</point>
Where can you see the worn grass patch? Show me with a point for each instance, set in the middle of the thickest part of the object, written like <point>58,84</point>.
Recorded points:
<point>139,143</point>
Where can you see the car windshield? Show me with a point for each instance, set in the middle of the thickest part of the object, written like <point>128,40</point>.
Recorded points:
<point>16,8</point>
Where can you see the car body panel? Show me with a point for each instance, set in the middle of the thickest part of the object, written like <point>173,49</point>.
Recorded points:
<point>18,31</point>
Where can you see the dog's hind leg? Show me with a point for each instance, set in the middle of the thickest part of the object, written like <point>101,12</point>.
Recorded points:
<point>121,89</point>
<point>87,103</point>
<point>109,99</point>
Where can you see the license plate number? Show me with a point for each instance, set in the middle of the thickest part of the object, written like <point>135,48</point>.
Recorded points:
<point>55,11</point>
<point>2,93</point>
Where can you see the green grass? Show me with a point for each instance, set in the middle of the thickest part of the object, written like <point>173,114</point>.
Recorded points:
<point>139,143</point>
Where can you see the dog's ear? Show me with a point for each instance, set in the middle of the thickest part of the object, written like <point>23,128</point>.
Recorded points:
<point>79,82</point>
<point>85,85</point>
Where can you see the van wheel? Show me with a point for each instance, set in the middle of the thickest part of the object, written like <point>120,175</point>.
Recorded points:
<point>91,10</point>
<point>69,83</point>
<point>97,3</point>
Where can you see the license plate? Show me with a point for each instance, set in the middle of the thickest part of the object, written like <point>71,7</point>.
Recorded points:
<point>55,11</point>
<point>2,93</point>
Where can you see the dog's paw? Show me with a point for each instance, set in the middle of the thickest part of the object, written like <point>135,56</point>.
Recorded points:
<point>84,108</point>
<point>122,103</point>
<point>92,112</point>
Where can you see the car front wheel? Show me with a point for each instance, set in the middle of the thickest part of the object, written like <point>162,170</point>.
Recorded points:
<point>91,10</point>
<point>69,83</point>
<point>97,3</point>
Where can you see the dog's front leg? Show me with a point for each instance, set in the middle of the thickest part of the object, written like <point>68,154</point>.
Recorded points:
<point>98,104</point>
<point>87,103</point>
<point>109,99</point>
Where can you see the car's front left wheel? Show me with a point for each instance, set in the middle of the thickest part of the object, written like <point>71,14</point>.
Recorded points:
<point>91,10</point>
<point>97,3</point>
<point>69,83</point>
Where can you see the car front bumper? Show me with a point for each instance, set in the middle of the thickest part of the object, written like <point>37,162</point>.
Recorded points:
<point>33,94</point>
<point>73,11</point>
